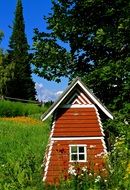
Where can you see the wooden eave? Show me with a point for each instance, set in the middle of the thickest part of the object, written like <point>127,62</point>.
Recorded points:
<point>59,101</point>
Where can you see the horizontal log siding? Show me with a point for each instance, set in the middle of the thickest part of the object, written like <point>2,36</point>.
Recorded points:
<point>59,161</point>
<point>75,122</point>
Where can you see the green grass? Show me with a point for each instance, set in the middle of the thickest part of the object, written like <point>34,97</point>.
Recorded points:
<point>22,148</point>
<point>12,109</point>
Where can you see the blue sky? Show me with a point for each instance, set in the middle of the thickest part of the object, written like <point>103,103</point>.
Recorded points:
<point>33,11</point>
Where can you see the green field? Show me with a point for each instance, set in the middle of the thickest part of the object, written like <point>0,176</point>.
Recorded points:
<point>22,147</point>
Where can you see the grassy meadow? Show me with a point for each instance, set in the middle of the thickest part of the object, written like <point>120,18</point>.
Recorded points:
<point>22,147</point>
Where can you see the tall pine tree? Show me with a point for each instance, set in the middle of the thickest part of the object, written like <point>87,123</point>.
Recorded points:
<point>21,86</point>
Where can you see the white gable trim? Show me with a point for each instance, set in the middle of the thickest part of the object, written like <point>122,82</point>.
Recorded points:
<point>63,96</point>
<point>76,102</point>
<point>85,98</point>
<point>95,100</point>
<point>76,96</point>
<point>75,138</point>
<point>78,106</point>
<point>99,121</point>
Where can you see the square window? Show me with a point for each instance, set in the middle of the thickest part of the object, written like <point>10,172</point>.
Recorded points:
<point>78,153</point>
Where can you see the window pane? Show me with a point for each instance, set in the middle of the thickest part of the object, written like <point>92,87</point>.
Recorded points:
<point>81,149</point>
<point>81,157</point>
<point>74,157</point>
<point>74,149</point>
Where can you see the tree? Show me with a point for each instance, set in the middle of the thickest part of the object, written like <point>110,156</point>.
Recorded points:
<point>6,71</point>
<point>21,85</point>
<point>97,33</point>
<point>6,75</point>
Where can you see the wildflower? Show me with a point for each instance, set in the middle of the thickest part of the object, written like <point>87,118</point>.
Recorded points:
<point>84,169</point>
<point>90,174</point>
<point>72,170</point>
<point>97,179</point>
<point>22,119</point>
<point>99,155</point>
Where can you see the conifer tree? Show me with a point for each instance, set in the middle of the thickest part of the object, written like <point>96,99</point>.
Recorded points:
<point>21,86</point>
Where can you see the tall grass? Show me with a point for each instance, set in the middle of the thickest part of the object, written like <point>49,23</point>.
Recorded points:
<point>12,109</point>
<point>22,148</point>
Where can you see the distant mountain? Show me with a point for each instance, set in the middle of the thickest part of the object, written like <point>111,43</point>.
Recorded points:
<point>46,95</point>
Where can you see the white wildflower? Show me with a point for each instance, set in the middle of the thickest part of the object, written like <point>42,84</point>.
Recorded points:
<point>84,169</point>
<point>99,155</point>
<point>72,170</point>
<point>97,178</point>
<point>90,174</point>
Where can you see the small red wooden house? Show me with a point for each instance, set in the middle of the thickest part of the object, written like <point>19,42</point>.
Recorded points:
<point>77,135</point>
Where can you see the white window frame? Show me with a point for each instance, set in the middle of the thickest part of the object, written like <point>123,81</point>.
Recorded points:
<point>78,153</point>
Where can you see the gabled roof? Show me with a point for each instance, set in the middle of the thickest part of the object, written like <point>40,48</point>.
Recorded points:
<point>60,100</point>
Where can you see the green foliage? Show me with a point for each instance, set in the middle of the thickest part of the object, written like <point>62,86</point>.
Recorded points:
<point>47,65</point>
<point>21,85</point>
<point>22,147</point>
<point>119,164</point>
<point>120,125</point>
<point>110,83</point>
<point>91,28</point>
<point>97,34</point>
<point>6,75</point>
<point>12,109</point>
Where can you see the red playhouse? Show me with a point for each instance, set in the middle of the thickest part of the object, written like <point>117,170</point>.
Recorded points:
<point>76,135</point>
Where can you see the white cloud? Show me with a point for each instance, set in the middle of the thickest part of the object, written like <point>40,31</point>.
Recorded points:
<point>59,93</point>
<point>44,94</point>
